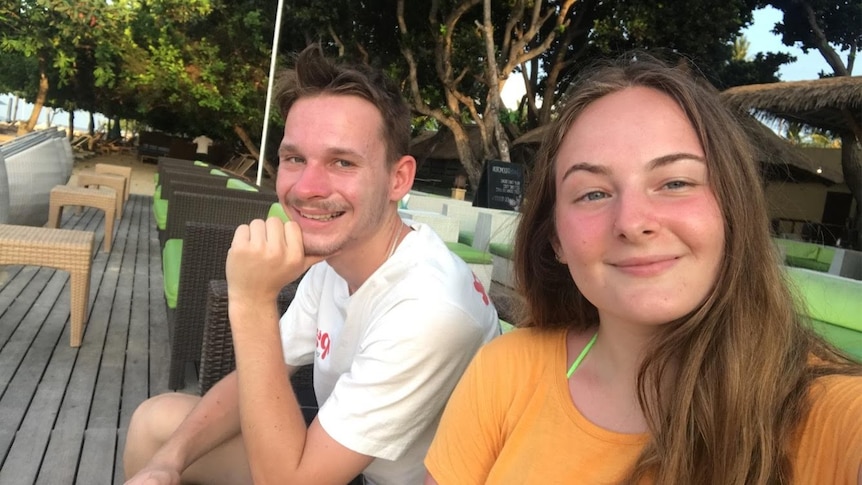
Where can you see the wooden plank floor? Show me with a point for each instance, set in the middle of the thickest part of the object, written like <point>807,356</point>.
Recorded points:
<point>64,411</point>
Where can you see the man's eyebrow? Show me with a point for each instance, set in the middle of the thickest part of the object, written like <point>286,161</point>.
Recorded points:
<point>653,164</point>
<point>331,151</point>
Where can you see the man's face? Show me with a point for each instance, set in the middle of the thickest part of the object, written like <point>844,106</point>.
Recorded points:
<point>333,178</point>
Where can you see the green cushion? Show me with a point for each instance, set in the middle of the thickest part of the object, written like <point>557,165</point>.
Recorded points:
<point>504,250</point>
<point>157,194</point>
<point>825,255</point>
<point>276,210</point>
<point>172,254</point>
<point>849,341</point>
<point>466,237</point>
<point>829,298</point>
<point>218,172</point>
<point>812,264</point>
<point>238,184</point>
<point>506,326</point>
<point>160,212</point>
<point>469,254</point>
<point>798,249</point>
<point>156,178</point>
<point>201,164</point>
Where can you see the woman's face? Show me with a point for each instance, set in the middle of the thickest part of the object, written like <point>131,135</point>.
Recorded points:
<point>638,224</point>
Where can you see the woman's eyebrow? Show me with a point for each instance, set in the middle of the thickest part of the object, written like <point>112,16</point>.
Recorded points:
<point>586,167</point>
<point>673,157</point>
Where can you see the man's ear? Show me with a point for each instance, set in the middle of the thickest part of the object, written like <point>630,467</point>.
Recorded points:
<point>401,177</point>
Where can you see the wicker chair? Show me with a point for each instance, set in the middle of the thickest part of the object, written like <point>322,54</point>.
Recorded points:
<point>206,225</point>
<point>231,208</point>
<point>217,357</point>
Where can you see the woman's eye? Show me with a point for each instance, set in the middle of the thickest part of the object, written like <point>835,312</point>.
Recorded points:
<point>677,184</point>
<point>594,195</point>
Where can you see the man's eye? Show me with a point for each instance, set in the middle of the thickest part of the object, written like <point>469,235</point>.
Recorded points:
<point>343,163</point>
<point>292,160</point>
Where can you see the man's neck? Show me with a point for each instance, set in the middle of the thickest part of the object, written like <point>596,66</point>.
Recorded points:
<point>358,265</point>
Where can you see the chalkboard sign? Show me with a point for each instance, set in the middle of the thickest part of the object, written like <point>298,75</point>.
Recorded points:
<point>501,186</point>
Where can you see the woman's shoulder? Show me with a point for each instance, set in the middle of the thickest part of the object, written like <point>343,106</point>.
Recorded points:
<point>841,390</point>
<point>521,344</point>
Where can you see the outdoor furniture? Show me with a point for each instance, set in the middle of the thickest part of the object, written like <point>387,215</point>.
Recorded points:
<point>217,355</point>
<point>203,252</point>
<point>63,195</point>
<point>833,303</point>
<point>214,209</point>
<point>116,182</point>
<point>117,170</point>
<point>32,165</point>
<point>63,249</point>
<point>445,226</point>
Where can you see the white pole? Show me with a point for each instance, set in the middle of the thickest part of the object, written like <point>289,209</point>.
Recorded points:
<point>272,63</point>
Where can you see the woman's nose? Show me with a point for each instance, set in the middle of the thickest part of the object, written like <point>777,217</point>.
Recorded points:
<point>635,216</point>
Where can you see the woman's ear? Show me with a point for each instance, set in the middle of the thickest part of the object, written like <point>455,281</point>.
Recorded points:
<point>401,177</point>
<point>558,249</point>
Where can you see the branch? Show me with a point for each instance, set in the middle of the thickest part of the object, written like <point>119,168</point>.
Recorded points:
<point>822,43</point>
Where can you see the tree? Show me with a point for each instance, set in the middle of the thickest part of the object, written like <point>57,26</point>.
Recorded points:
<point>56,33</point>
<point>824,25</point>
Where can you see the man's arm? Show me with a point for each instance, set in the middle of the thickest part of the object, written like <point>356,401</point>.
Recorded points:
<point>263,258</point>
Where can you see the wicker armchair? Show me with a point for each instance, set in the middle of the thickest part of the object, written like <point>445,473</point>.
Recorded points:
<point>206,225</point>
<point>217,357</point>
<point>231,208</point>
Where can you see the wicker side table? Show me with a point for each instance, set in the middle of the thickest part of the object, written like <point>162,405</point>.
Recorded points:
<point>117,182</point>
<point>117,170</point>
<point>63,249</point>
<point>63,195</point>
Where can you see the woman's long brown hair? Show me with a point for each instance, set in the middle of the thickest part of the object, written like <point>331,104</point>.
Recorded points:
<point>724,387</point>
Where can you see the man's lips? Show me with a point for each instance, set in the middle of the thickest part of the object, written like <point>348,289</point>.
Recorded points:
<point>321,217</point>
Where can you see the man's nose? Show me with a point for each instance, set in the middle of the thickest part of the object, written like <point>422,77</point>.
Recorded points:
<point>313,181</point>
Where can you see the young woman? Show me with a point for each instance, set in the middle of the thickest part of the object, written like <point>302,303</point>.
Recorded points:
<point>662,344</point>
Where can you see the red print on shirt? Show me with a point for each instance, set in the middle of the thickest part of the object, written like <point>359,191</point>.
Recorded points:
<point>323,343</point>
<point>480,289</point>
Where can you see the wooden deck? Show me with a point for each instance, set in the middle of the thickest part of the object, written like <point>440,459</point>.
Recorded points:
<point>64,411</point>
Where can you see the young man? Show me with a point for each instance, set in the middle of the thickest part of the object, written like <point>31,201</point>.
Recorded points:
<point>389,317</point>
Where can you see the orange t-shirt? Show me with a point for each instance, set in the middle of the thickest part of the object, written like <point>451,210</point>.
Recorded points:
<point>511,420</point>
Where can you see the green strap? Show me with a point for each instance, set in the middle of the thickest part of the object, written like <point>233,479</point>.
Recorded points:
<point>583,354</point>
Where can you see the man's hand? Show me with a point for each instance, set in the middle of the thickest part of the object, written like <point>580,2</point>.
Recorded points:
<point>263,258</point>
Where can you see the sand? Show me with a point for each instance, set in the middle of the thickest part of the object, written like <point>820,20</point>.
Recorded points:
<point>142,173</point>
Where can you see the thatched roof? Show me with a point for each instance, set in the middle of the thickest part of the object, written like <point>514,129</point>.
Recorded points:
<point>772,149</point>
<point>819,103</point>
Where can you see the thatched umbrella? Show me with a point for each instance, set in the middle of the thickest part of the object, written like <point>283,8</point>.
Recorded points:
<point>833,104</point>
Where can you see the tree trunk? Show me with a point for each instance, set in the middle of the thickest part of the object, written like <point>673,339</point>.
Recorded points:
<point>91,128</point>
<point>851,164</point>
<point>71,124</point>
<point>472,166</point>
<point>40,101</point>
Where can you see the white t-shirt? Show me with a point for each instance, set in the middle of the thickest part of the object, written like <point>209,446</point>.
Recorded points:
<point>203,142</point>
<point>387,358</point>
